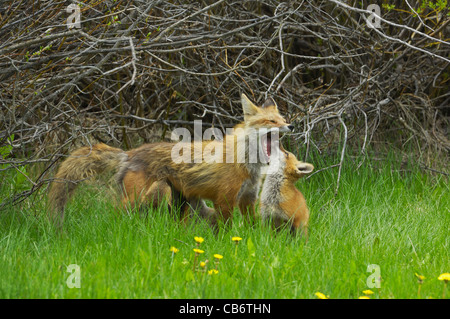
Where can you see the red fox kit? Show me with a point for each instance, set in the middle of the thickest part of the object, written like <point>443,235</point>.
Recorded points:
<point>150,172</point>
<point>280,200</point>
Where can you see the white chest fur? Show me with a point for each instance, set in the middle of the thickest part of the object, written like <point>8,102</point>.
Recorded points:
<point>271,191</point>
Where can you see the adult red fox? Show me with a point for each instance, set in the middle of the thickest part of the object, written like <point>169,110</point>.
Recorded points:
<point>280,200</point>
<point>228,178</point>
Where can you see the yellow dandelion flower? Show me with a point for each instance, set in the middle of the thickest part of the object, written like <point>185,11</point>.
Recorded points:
<point>364,297</point>
<point>199,251</point>
<point>445,277</point>
<point>368,292</point>
<point>420,277</point>
<point>213,272</point>
<point>174,250</point>
<point>202,264</point>
<point>199,239</point>
<point>321,295</point>
<point>217,256</point>
<point>236,239</point>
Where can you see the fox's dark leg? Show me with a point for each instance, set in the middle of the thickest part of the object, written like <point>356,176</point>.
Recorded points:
<point>199,206</point>
<point>224,210</point>
<point>247,205</point>
<point>178,202</point>
<point>247,197</point>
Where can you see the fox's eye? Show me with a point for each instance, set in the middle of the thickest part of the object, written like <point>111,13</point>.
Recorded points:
<point>273,121</point>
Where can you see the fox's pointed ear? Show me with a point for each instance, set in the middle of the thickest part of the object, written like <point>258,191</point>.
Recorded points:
<point>247,106</point>
<point>270,103</point>
<point>305,168</point>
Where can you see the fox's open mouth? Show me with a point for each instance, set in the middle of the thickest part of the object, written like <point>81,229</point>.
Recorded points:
<point>266,145</point>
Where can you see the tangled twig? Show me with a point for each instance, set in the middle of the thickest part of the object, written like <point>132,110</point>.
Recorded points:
<point>136,69</point>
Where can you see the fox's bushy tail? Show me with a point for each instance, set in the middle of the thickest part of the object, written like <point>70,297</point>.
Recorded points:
<point>84,163</point>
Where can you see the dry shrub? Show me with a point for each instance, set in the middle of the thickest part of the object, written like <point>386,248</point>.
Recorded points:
<point>137,69</point>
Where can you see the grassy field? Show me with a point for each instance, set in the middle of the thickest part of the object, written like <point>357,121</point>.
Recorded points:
<point>396,220</point>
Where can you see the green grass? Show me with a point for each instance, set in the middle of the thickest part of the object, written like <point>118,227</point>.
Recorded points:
<point>396,220</point>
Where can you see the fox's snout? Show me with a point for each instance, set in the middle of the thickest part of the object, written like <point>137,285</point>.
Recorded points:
<point>286,128</point>
<point>305,168</point>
